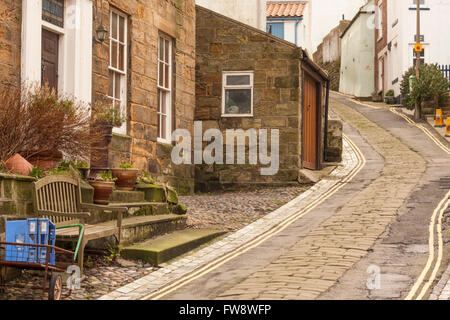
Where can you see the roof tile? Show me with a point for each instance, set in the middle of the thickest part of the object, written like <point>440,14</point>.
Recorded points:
<point>285,9</point>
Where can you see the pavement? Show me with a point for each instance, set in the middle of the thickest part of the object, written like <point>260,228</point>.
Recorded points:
<point>362,234</point>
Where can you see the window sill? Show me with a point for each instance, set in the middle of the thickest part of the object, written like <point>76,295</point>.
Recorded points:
<point>237,115</point>
<point>163,141</point>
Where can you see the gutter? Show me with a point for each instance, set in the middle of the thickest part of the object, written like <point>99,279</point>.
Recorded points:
<point>296,30</point>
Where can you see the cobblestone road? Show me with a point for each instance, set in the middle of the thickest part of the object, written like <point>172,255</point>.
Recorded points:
<point>314,264</point>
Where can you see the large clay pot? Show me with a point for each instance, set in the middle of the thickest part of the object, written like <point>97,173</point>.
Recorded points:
<point>102,191</point>
<point>126,178</point>
<point>18,165</point>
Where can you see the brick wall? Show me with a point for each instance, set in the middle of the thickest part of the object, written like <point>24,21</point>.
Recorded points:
<point>226,45</point>
<point>10,42</point>
<point>146,20</point>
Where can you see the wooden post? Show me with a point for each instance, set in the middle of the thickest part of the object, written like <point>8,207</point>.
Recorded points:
<point>417,113</point>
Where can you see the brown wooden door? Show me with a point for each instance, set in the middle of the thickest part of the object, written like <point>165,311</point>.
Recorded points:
<point>50,43</point>
<point>310,123</point>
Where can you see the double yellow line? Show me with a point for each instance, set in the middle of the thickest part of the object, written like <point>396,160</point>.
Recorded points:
<point>425,130</point>
<point>166,290</point>
<point>422,285</point>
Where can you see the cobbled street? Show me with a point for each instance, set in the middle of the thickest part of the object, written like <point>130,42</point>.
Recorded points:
<point>378,221</point>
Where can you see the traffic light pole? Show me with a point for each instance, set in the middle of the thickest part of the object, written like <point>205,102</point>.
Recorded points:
<point>417,114</point>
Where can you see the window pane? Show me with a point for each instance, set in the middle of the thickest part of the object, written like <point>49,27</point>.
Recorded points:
<point>238,101</point>
<point>161,49</point>
<point>161,74</point>
<point>114,26</point>
<point>121,57</point>
<point>111,84</point>
<point>167,51</point>
<point>113,54</point>
<point>162,108</point>
<point>118,86</point>
<point>122,29</point>
<point>167,76</point>
<point>163,127</point>
<point>238,80</point>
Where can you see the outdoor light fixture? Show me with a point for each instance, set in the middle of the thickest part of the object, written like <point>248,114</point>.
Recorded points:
<point>101,33</point>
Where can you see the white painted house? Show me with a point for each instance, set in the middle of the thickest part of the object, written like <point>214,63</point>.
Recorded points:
<point>398,54</point>
<point>357,54</point>
<point>326,15</point>
<point>291,21</point>
<point>251,12</point>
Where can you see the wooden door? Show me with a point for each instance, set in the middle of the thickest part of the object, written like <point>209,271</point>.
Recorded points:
<point>50,44</point>
<point>310,117</point>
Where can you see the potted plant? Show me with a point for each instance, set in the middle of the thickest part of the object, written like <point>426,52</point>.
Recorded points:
<point>83,167</point>
<point>103,187</point>
<point>389,97</point>
<point>126,176</point>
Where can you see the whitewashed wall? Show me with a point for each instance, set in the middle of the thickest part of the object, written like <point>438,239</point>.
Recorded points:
<point>251,12</point>
<point>435,27</point>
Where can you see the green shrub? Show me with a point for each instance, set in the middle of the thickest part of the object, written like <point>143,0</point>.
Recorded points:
<point>126,166</point>
<point>431,85</point>
<point>390,93</point>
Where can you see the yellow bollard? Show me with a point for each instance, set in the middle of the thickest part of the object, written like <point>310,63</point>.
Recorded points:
<point>439,119</point>
<point>447,128</point>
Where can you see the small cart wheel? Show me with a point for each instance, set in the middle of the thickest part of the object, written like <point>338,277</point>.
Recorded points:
<point>55,289</point>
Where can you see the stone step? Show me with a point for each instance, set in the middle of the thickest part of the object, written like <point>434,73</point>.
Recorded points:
<point>127,196</point>
<point>136,229</point>
<point>170,246</point>
<point>144,208</point>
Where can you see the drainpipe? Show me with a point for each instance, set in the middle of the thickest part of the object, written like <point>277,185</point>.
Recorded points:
<point>296,30</point>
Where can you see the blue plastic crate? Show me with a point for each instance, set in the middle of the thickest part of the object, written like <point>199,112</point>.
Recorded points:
<point>30,231</point>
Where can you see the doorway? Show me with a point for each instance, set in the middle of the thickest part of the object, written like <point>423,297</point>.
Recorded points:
<point>50,58</point>
<point>310,123</point>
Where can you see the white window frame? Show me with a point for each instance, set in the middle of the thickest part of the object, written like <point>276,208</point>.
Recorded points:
<point>116,70</point>
<point>167,92</point>
<point>237,87</point>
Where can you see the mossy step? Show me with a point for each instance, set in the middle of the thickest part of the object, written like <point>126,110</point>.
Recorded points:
<point>170,246</point>
<point>136,229</point>
<point>127,196</point>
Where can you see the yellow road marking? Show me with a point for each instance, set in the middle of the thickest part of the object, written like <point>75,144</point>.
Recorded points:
<point>440,208</point>
<point>364,104</point>
<point>263,237</point>
<point>443,205</point>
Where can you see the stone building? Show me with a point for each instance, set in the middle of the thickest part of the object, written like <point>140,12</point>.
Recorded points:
<point>249,79</point>
<point>144,66</point>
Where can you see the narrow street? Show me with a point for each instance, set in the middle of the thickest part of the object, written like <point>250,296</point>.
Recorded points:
<point>380,220</point>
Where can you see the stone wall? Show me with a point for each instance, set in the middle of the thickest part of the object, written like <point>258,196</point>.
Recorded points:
<point>227,45</point>
<point>10,42</point>
<point>334,141</point>
<point>146,20</point>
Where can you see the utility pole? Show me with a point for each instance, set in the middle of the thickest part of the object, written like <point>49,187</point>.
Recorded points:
<point>417,114</point>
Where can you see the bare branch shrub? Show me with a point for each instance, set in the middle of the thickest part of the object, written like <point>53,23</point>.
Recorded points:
<point>36,120</point>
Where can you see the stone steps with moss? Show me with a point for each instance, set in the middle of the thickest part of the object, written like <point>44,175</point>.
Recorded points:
<point>170,246</point>
<point>140,228</point>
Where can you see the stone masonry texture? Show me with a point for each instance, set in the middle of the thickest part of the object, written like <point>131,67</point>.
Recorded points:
<point>227,45</point>
<point>146,21</point>
<point>10,46</point>
<point>315,263</point>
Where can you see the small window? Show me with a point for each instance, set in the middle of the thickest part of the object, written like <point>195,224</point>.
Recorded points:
<point>164,89</point>
<point>118,64</point>
<point>237,94</point>
<point>53,12</point>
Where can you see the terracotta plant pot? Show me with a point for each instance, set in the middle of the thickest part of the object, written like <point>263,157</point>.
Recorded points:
<point>18,165</point>
<point>126,178</point>
<point>102,191</point>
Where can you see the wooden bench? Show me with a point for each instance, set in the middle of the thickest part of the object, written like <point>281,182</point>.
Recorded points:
<point>58,198</point>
